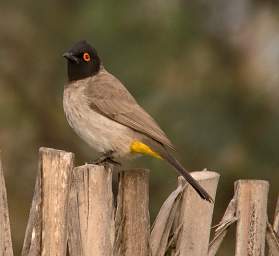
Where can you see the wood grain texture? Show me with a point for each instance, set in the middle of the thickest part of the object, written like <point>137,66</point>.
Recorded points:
<point>132,215</point>
<point>46,232</point>
<point>74,231</point>
<point>276,231</point>
<point>222,228</point>
<point>272,241</point>
<point>276,218</point>
<point>161,230</point>
<point>5,232</point>
<point>33,233</point>
<point>91,222</point>
<point>195,216</point>
<point>251,211</point>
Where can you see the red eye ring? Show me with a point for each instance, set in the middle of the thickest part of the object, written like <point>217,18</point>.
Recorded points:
<point>86,57</point>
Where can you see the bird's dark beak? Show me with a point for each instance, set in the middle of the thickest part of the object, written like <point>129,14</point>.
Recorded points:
<point>69,56</point>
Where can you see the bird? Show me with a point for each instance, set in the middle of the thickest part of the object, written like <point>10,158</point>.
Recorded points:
<point>101,110</point>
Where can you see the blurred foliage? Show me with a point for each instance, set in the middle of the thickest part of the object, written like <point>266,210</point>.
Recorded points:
<point>207,71</point>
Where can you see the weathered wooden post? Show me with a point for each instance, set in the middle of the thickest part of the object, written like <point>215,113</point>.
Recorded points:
<point>46,232</point>
<point>160,234</point>
<point>272,233</point>
<point>195,216</point>
<point>73,214</point>
<point>222,228</point>
<point>132,215</point>
<point>91,219</point>
<point>5,232</point>
<point>276,218</point>
<point>251,211</point>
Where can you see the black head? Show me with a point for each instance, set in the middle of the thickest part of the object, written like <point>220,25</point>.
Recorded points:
<point>83,61</point>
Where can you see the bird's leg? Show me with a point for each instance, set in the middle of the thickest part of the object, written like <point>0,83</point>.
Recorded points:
<point>107,157</point>
<point>102,158</point>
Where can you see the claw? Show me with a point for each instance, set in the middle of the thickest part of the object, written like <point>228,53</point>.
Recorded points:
<point>106,158</point>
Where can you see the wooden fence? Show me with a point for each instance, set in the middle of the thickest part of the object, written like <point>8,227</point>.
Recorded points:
<point>74,213</point>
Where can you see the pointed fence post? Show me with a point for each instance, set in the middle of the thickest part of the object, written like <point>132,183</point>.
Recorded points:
<point>272,235</point>
<point>276,218</point>
<point>5,232</point>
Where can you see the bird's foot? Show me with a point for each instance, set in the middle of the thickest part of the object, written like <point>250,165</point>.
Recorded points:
<point>106,158</point>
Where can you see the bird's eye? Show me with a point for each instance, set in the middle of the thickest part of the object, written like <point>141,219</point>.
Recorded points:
<point>86,57</point>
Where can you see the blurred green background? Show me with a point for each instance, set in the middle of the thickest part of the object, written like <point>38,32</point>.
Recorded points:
<point>206,70</point>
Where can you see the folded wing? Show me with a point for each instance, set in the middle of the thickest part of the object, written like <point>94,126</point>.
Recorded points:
<point>107,95</point>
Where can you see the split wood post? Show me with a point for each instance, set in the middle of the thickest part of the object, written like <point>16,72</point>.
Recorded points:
<point>91,212</point>
<point>251,211</point>
<point>196,216</point>
<point>46,232</point>
<point>161,237</point>
<point>269,236</point>
<point>5,232</point>
<point>132,215</point>
<point>222,228</point>
<point>276,218</point>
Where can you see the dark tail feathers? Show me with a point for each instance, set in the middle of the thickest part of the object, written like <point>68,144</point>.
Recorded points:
<point>200,190</point>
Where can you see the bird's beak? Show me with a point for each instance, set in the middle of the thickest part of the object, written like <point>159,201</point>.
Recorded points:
<point>69,56</point>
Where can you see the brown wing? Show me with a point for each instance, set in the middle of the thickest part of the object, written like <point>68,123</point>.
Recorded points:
<point>107,95</point>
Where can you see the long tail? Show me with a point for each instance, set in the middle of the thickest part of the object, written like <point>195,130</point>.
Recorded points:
<point>151,147</point>
<point>200,190</point>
